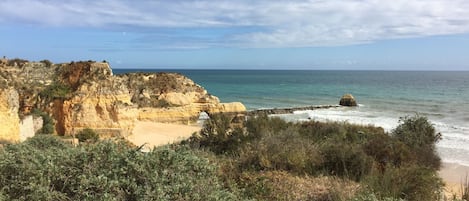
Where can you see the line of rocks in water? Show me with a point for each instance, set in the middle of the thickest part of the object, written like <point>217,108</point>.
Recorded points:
<point>289,110</point>
<point>347,100</point>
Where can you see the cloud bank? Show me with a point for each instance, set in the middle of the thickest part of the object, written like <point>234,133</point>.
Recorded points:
<point>244,23</point>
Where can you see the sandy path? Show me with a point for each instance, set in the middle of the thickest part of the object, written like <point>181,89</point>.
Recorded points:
<point>453,175</point>
<point>156,134</point>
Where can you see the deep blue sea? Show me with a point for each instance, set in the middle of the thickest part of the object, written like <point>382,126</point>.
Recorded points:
<point>384,96</point>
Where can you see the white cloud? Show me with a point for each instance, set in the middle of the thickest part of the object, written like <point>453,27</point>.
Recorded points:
<point>279,23</point>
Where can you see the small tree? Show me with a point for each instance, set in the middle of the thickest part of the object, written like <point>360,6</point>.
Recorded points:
<point>420,135</point>
<point>56,91</point>
<point>87,135</point>
<point>417,132</point>
<point>48,125</point>
<point>46,62</point>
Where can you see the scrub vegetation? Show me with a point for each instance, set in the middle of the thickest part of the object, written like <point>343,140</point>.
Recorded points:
<point>262,159</point>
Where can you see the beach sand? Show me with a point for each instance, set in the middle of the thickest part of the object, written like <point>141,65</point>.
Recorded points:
<point>156,134</point>
<point>454,175</point>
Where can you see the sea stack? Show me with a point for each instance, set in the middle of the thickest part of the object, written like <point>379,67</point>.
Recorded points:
<point>348,100</point>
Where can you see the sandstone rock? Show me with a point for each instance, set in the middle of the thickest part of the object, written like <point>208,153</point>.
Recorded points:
<point>90,96</point>
<point>10,122</point>
<point>348,100</point>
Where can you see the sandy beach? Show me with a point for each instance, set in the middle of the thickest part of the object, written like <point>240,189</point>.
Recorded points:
<point>454,175</point>
<point>155,134</point>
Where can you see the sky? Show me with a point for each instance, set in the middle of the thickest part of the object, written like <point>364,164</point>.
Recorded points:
<point>241,34</point>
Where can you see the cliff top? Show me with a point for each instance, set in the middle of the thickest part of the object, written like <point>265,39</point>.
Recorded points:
<point>39,83</point>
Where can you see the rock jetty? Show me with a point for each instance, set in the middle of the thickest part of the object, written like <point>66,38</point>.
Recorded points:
<point>289,110</point>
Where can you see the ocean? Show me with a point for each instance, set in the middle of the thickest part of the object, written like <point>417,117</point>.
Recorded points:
<point>383,97</point>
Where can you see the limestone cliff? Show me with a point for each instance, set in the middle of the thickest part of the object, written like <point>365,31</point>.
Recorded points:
<point>9,127</point>
<point>87,94</point>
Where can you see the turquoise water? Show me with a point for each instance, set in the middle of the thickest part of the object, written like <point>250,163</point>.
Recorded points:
<point>384,96</point>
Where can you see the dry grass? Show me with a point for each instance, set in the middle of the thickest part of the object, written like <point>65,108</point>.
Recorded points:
<point>281,185</point>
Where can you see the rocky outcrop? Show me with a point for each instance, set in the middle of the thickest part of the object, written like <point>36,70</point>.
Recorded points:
<point>187,114</point>
<point>348,100</point>
<point>82,95</point>
<point>10,122</point>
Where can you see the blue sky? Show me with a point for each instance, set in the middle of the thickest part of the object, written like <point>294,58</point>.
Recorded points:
<point>241,34</point>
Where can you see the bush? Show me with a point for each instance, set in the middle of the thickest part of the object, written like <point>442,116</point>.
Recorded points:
<point>412,183</point>
<point>263,125</point>
<point>370,196</point>
<point>46,62</point>
<point>87,135</point>
<point>388,167</point>
<point>345,160</point>
<point>419,134</point>
<point>17,61</point>
<point>339,131</point>
<point>44,168</point>
<point>56,91</point>
<point>387,150</point>
<point>283,151</point>
<point>218,136</point>
<point>48,125</point>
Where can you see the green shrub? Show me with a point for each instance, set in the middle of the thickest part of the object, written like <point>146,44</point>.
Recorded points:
<point>340,131</point>
<point>47,122</point>
<point>218,136</point>
<point>56,91</point>
<point>263,125</point>
<point>17,61</point>
<point>369,196</point>
<point>45,142</point>
<point>46,62</point>
<point>87,135</point>
<point>44,168</point>
<point>283,151</point>
<point>388,167</point>
<point>345,160</point>
<point>412,183</point>
<point>387,150</point>
<point>419,134</point>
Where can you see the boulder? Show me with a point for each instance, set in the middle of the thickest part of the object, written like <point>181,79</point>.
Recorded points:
<point>348,100</point>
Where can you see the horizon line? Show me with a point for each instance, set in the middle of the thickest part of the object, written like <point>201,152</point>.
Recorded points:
<point>285,69</point>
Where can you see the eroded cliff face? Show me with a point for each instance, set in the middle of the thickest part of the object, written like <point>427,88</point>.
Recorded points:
<point>112,104</point>
<point>10,122</point>
<point>82,95</point>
